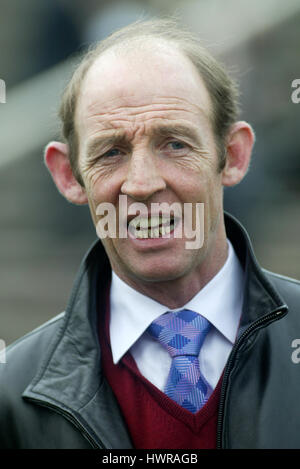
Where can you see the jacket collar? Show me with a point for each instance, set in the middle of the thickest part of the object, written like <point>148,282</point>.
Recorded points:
<point>260,296</point>
<point>70,377</point>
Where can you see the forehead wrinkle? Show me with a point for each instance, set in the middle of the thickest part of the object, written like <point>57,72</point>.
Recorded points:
<point>117,125</point>
<point>130,107</point>
<point>134,111</point>
<point>160,122</point>
<point>113,81</point>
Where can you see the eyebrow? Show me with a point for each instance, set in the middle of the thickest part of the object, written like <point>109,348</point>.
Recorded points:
<point>110,138</point>
<point>165,130</point>
<point>118,137</point>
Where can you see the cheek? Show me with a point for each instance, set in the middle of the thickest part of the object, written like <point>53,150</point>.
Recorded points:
<point>93,177</point>
<point>102,187</point>
<point>92,207</point>
<point>194,186</point>
<point>214,196</point>
<point>207,190</point>
<point>195,173</point>
<point>101,190</point>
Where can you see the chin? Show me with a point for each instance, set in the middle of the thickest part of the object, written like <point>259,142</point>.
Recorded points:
<point>160,273</point>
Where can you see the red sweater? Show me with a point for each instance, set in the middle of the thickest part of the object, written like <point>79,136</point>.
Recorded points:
<point>155,421</point>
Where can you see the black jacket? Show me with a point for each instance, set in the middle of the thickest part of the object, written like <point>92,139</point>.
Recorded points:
<point>53,394</point>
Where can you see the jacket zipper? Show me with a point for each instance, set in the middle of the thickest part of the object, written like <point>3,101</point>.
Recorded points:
<point>263,321</point>
<point>71,419</point>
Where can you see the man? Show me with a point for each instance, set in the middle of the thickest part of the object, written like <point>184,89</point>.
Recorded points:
<point>150,118</point>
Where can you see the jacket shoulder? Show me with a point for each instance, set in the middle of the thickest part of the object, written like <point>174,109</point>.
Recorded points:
<point>25,355</point>
<point>23,358</point>
<point>22,424</point>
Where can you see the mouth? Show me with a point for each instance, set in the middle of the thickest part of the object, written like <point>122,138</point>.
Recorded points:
<point>155,226</point>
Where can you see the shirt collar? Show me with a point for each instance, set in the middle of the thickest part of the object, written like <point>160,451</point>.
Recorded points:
<point>220,302</point>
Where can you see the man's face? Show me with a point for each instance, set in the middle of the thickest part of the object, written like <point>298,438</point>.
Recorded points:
<point>145,131</point>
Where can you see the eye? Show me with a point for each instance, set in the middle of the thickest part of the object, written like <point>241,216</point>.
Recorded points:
<point>176,145</point>
<point>112,152</point>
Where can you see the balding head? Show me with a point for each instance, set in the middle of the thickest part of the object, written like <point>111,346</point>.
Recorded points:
<point>163,36</point>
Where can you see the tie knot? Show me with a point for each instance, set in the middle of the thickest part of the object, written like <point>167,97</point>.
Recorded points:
<point>181,333</point>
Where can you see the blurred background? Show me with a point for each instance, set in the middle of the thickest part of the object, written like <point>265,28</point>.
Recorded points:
<point>43,237</point>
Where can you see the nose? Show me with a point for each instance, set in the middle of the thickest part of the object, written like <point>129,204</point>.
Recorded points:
<point>143,178</point>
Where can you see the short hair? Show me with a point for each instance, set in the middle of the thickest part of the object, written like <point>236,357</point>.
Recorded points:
<point>222,89</point>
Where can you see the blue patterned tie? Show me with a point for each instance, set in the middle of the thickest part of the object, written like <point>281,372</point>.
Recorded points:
<point>182,334</point>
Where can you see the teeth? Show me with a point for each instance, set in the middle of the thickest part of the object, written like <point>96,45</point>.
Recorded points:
<point>153,222</point>
<point>162,230</point>
<point>152,228</point>
<point>144,223</point>
<point>154,233</point>
<point>135,222</point>
<point>141,234</point>
<point>156,221</point>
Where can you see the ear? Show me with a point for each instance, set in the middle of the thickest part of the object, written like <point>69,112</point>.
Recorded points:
<point>58,163</point>
<point>240,142</point>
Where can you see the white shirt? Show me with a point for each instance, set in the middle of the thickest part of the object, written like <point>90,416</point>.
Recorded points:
<point>220,302</point>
